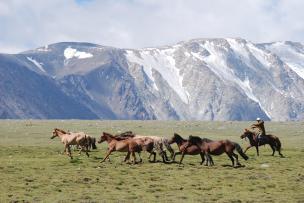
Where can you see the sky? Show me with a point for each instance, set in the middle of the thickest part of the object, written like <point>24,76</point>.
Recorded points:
<point>28,24</point>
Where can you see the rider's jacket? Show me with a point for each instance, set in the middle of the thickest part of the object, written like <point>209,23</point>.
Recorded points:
<point>259,128</point>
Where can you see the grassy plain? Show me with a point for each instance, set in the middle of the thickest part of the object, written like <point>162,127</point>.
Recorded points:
<point>33,170</point>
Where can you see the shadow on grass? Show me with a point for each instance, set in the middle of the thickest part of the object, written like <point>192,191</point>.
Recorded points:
<point>227,165</point>
<point>75,161</point>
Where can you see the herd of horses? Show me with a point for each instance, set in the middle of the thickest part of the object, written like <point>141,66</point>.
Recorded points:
<point>132,143</point>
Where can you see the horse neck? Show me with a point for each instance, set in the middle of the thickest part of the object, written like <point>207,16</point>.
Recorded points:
<point>251,138</point>
<point>60,134</point>
<point>110,139</point>
<point>179,140</point>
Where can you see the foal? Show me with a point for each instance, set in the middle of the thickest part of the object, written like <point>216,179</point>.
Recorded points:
<point>68,139</point>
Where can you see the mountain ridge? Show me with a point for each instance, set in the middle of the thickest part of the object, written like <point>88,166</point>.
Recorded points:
<point>199,79</point>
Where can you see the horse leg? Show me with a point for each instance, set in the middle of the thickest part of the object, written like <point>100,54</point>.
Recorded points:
<point>183,154</point>
<point>127,157</point>
<point>134,157</point>
<point>273,149</point>
<point>202,157</point>
<point>164,157</point>
<point>248,147</point>
<point>69,152</point>
<point>231,158</point>
<point>237,159</point>
<point>140,159</point>
<point>257,150</point>
<point>211,160</point>
<point>107,155</point>
<point>175,153</point>
<point>154,156</point>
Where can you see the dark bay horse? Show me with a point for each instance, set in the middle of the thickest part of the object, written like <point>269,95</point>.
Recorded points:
<point>182,147</point>
<point>218,148</point>
<point>273,141</point>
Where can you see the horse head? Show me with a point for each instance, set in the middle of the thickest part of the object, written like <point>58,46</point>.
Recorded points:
<point>174,138</point>
<point>55,133</point>
<point>246,133</point>
<point>104,136</point>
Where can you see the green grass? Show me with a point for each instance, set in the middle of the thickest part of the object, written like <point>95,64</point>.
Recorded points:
<point>33,170</point>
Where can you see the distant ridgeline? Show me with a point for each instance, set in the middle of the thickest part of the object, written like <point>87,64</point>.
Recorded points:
<point>201,79</point>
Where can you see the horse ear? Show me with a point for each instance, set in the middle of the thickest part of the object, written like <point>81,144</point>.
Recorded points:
<point>246,130</point>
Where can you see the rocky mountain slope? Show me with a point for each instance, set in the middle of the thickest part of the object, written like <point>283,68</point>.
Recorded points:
<point>200,79</point>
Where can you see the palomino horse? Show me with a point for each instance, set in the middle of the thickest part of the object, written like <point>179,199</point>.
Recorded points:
<point>125,144</point>
<point>272,140</point>
<point>68,139</point>
<point>182,144</point>
<point>159,144</point>
<point>218,148</point>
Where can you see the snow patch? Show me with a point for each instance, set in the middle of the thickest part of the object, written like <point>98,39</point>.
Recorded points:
<point>293,57</point>
<point>37,64</point>
<point>70,53</point>
<point>161,60</point>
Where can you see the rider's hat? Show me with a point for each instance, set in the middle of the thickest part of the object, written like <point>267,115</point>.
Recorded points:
<point>258,119</point>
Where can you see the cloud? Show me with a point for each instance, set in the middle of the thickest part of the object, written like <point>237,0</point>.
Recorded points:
<point>27,24</point>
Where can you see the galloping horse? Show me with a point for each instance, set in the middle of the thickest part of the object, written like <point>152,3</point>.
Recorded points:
<point>182,146</point>
<point>125,144</point>
<point>272,140</point>
<point>218,148</point>
<point>68,139</point>
<point>159,144</point>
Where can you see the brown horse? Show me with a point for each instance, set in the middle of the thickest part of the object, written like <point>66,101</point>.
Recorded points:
<point>273,141</point>
<point>68,139</point>
<point>125,144</point>
<point>218,148</point>
<point>182,146</point>
<point>160,143</point>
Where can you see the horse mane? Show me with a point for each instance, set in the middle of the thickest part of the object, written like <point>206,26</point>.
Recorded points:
<point>124,135</point>
<point>60,130</point>
<point>194,139</point>
<point>179,137</point>
<point>118,138</point>
<point>206,140</point>
<point>197,139</point>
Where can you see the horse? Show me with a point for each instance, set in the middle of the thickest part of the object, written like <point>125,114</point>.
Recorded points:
<point>273,141</point>
<point>125,144</point>
<point>68,139</point>
<point>159,143</point>
<point>217,148</point>
<point>182,144</point>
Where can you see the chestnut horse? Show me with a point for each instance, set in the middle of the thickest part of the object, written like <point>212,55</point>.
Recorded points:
<point>125,144</point>
<point>160,143</point>
<point>218,148</point>
<point>80,139</point>
<point>273,141</point>
<point>190,150</point>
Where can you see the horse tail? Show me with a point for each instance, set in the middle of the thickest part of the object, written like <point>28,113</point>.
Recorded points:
<point>278,143</point>
<point>240,151</point>
<point>94,143</point>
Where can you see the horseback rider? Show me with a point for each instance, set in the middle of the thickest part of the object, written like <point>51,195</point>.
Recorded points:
<point>259,129</point>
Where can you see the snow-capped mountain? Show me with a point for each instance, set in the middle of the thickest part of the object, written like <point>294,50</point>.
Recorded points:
<point>200,79</point>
